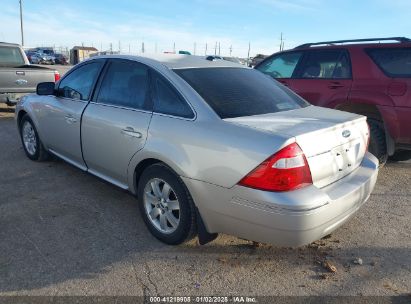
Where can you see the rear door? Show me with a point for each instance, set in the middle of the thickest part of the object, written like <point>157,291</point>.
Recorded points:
<point>61,114</point>
<point>395,63</point>
<point>323,77</point>
<point>115,124</point>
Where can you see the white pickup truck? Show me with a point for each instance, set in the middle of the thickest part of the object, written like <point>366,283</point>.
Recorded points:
<point>17,76</point>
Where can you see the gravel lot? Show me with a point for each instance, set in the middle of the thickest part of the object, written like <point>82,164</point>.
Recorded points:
<point>64,232</point>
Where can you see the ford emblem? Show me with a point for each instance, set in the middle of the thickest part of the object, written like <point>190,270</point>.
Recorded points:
<point>346,133</point>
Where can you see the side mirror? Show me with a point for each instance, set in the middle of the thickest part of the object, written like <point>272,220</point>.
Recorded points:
<point>45,88</point>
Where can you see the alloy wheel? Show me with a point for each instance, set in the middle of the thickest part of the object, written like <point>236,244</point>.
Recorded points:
<point>161,205</point>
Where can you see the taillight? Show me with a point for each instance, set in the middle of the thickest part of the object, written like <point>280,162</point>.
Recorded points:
<point>284,171</point>
<point>56,76</point>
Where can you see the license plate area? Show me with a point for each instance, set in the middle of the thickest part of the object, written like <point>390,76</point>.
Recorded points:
<point>347,157</point>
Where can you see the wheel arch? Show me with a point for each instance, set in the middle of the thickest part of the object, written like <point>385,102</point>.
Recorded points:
<point>203,234</point>
<point>374,112</point>
<point>20,115</point>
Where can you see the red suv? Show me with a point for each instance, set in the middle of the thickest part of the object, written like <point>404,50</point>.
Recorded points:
<point>363,76</point>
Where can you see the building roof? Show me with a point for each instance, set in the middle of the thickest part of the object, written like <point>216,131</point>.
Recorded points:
<point>84,48</point>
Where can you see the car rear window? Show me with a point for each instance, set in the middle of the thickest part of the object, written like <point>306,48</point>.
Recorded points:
<point>10,56</point>
<point>237,92</point>
<point>394,62</point>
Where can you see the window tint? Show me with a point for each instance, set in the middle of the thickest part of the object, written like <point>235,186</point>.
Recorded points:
<point>395,62</point>
<point>79,83</point>
<point>10,56</point>
<point>125,84</point>
<point>167,101</point>
<point>236,92</point>
<point>281,66</point>
<point>327,64</point>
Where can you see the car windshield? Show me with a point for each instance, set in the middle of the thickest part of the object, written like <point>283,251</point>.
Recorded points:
<point>237,92</point>
<point>11,56</point>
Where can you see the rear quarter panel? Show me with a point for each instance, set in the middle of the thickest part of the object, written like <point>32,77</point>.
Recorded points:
<point>215,152</point>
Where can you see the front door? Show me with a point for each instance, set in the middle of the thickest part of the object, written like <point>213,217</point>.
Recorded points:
<point>115,124</point>
<point>61,117</point>
<point>282,66</point>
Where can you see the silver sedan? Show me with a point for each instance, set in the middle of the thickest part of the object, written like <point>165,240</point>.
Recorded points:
<point>206,146</point>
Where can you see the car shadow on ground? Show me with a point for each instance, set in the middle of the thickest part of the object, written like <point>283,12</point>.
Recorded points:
<point>59,225</point>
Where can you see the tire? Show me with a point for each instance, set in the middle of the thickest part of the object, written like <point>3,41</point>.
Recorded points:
<point>178,225</point>
<point>32,145</point>
<point>377,145</point>
<point>401,155</point>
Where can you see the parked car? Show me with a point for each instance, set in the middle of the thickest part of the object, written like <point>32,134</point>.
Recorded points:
<point>17,76</point>
<point>46,59</point>
<point>256,60</point>
<point>232,59</point>
<point>60,59</point>
<point>213,57</point>
<point>360,76</point>
<point>207,146</point>
<point>33,57</point>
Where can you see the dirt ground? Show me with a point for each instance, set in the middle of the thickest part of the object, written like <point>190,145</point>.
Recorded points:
<point>65,232</point>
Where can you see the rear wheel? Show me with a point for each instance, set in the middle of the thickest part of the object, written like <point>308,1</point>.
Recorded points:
<point>32,145</point>
<point>377,145</point>
<point>166,205</point>
<point>401,155</point>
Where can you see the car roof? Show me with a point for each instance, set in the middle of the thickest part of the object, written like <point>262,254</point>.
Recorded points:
<point>177,61</point>
<point>353,45</point>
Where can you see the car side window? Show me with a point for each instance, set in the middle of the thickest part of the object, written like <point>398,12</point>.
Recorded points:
<point>325,64</point>
<point>281,66</point>
<point>79,83</point>
<point>168,101</point>
<point>126,84</point>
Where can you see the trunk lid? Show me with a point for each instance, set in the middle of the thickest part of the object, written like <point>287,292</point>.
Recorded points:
<point>333,142</point>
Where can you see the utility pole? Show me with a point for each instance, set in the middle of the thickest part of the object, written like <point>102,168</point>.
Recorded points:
<point>142,47</point>
<point>219,49</point>
<point>248,55</point>
<point>129,48</point>
<point>215,48</point>
<point>195,45</point>
<point>174,47</point>
<point>205,53</point>
<point>21,23</point>
<point>231,49</point>
<point>281,42</point>
<point>119,47</point>
<point>111,48</point>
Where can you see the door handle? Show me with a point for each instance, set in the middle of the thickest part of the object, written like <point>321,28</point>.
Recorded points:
<point>70,119</point>
<point>284,83</point>
<point>129,131</point>
<point>336,85</point>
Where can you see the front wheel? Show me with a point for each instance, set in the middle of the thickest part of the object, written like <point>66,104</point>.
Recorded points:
<point>166,205</point>
<point>32,145</point>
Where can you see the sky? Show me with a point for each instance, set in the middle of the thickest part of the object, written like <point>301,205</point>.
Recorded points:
<point>193,25</point>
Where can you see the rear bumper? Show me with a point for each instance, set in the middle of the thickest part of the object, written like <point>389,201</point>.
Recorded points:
<point>292,218</point>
